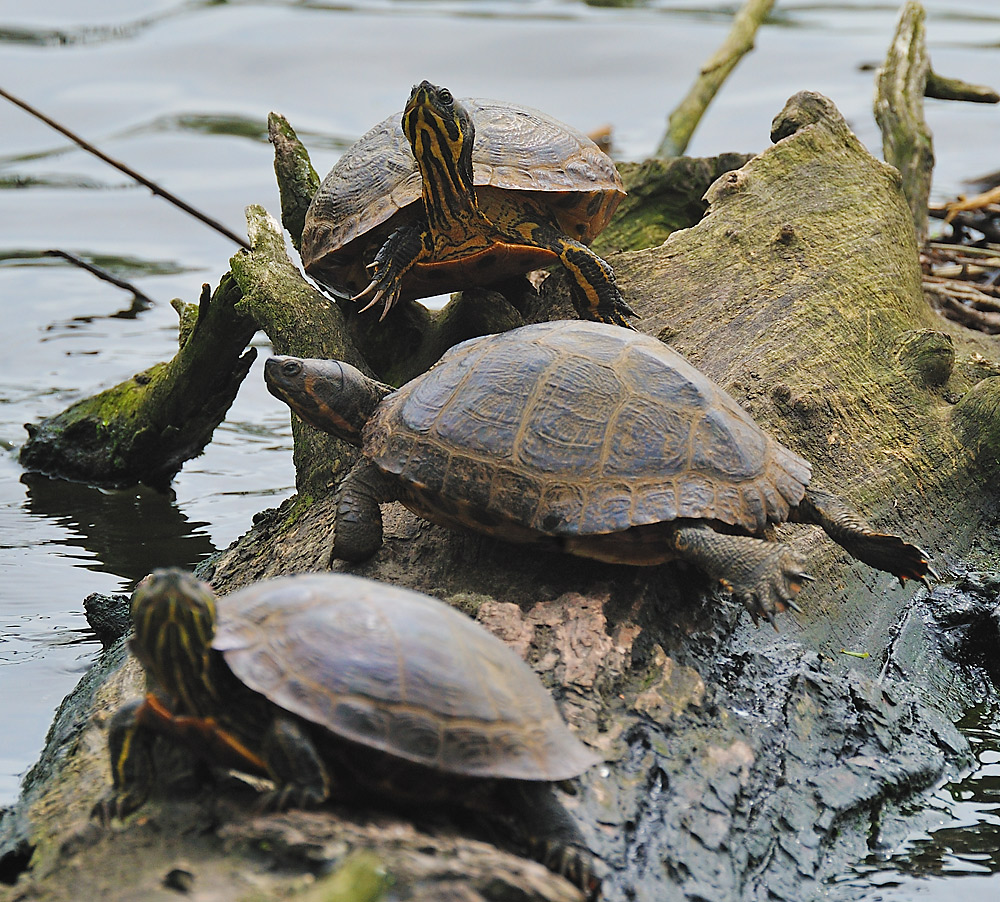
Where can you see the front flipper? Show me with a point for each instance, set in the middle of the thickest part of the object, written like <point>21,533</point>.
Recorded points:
<point>765,576</point>
<point>409,244</point>
<point>846,527</point>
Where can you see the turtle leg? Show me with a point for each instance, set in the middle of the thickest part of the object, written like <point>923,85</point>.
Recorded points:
<point>849,530</point>
<point>130,747</point>
<point>357,528</point>
<point>765,576</point>
<point>296,767</point>
<point>545,832</point>
<point>407,245</point>
<point>595,293</point>
<point>593,288</point>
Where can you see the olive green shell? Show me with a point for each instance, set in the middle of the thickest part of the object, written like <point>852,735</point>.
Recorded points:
<point>576,428</point>
<point>397,671</point>
<point>517,149</point>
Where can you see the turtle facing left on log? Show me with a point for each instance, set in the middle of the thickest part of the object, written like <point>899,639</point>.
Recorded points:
<point>602,442</point>
<point>339,687</point>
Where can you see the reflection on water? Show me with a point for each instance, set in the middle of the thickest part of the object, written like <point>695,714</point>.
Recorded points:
<point>126,532</point>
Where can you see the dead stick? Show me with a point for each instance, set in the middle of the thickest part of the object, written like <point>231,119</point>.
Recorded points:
<point>685,118</point>
<point>101,274</point>
<point>131,173</point>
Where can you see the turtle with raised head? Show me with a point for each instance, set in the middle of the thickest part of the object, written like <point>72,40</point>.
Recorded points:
<point>599,441</point>
<point>335,686</point>
<point>453,194</point>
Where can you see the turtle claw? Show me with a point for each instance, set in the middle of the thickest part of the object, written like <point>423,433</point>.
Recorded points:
<point>378,292</point>
<point>769,590</point>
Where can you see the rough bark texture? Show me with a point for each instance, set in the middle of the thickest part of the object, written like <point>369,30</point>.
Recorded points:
<point>899,110</point>
<point>144,429</point>
<point>741,764</point>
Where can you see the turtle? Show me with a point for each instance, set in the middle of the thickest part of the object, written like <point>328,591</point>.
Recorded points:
<point>585,437</point>
<point>337,686</point>
<point>453,194</point>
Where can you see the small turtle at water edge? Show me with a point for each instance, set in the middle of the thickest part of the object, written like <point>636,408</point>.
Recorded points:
<point>602,442</point>
<point>335,686</point>
<point>456,194</point>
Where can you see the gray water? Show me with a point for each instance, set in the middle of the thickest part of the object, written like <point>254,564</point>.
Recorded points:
<point>181,91</point>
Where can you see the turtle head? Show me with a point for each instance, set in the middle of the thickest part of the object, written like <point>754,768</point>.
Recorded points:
<point>329,394</point>
<point>441,133</point>
<point>173,615</point>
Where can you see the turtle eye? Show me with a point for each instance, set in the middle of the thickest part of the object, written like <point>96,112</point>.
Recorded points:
<point>444,95</point>
<point>291,367</point>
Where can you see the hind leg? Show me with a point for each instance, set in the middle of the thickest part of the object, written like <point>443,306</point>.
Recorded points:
<point>849,530</point>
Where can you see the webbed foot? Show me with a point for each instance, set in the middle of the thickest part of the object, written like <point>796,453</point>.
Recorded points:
<point>849,530</point>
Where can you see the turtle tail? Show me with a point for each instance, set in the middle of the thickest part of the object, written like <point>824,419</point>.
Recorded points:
<point>848,529</point>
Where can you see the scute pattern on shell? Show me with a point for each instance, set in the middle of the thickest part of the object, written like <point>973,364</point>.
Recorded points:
<point>517,148</point>
<point>397,671</point>
<point>576,428</point>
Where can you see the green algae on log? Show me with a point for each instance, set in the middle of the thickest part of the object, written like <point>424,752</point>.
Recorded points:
<point>144,429</point>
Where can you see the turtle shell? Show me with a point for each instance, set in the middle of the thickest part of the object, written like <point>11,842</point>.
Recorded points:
<point>374,185</point>
<point>576,428</point>
<point>397,671</point>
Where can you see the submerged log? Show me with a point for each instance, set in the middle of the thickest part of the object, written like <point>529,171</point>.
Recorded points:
<point>740,764</point>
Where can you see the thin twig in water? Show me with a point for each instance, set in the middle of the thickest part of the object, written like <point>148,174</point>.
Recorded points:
<point>142,300</point>
<point>121,167</point>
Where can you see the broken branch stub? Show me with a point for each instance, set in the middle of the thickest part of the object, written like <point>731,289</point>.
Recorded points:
<point>144,429</point>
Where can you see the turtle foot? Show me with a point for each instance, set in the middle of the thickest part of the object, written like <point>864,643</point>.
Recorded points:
<point>576,864</point>
<point>769,587</point>
<point>615,316</point>
<point>383,287</point>
<point>291,795</point>
<point>891,554</point>
<point>117,805</point>
<point>849,530</point>
<point>765,576</point>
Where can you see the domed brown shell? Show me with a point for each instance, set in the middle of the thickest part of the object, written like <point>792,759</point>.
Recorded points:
<point>517,149</point>
<point>576,428</point>
<point>397,671</point>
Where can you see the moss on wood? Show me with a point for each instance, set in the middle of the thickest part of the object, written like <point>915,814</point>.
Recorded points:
<point>143,430</point>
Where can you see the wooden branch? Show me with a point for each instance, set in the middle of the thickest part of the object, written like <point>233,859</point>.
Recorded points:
<point>297,179</point>
<point>144,429</point>
<point>740,40</point>
<point>952,308</point>
<point>141,301</point>
<point>127,170</point>
<point>942,88</point>
<point>899,110</point>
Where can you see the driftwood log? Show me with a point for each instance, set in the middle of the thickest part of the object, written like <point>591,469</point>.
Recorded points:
<point>740,763</point>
